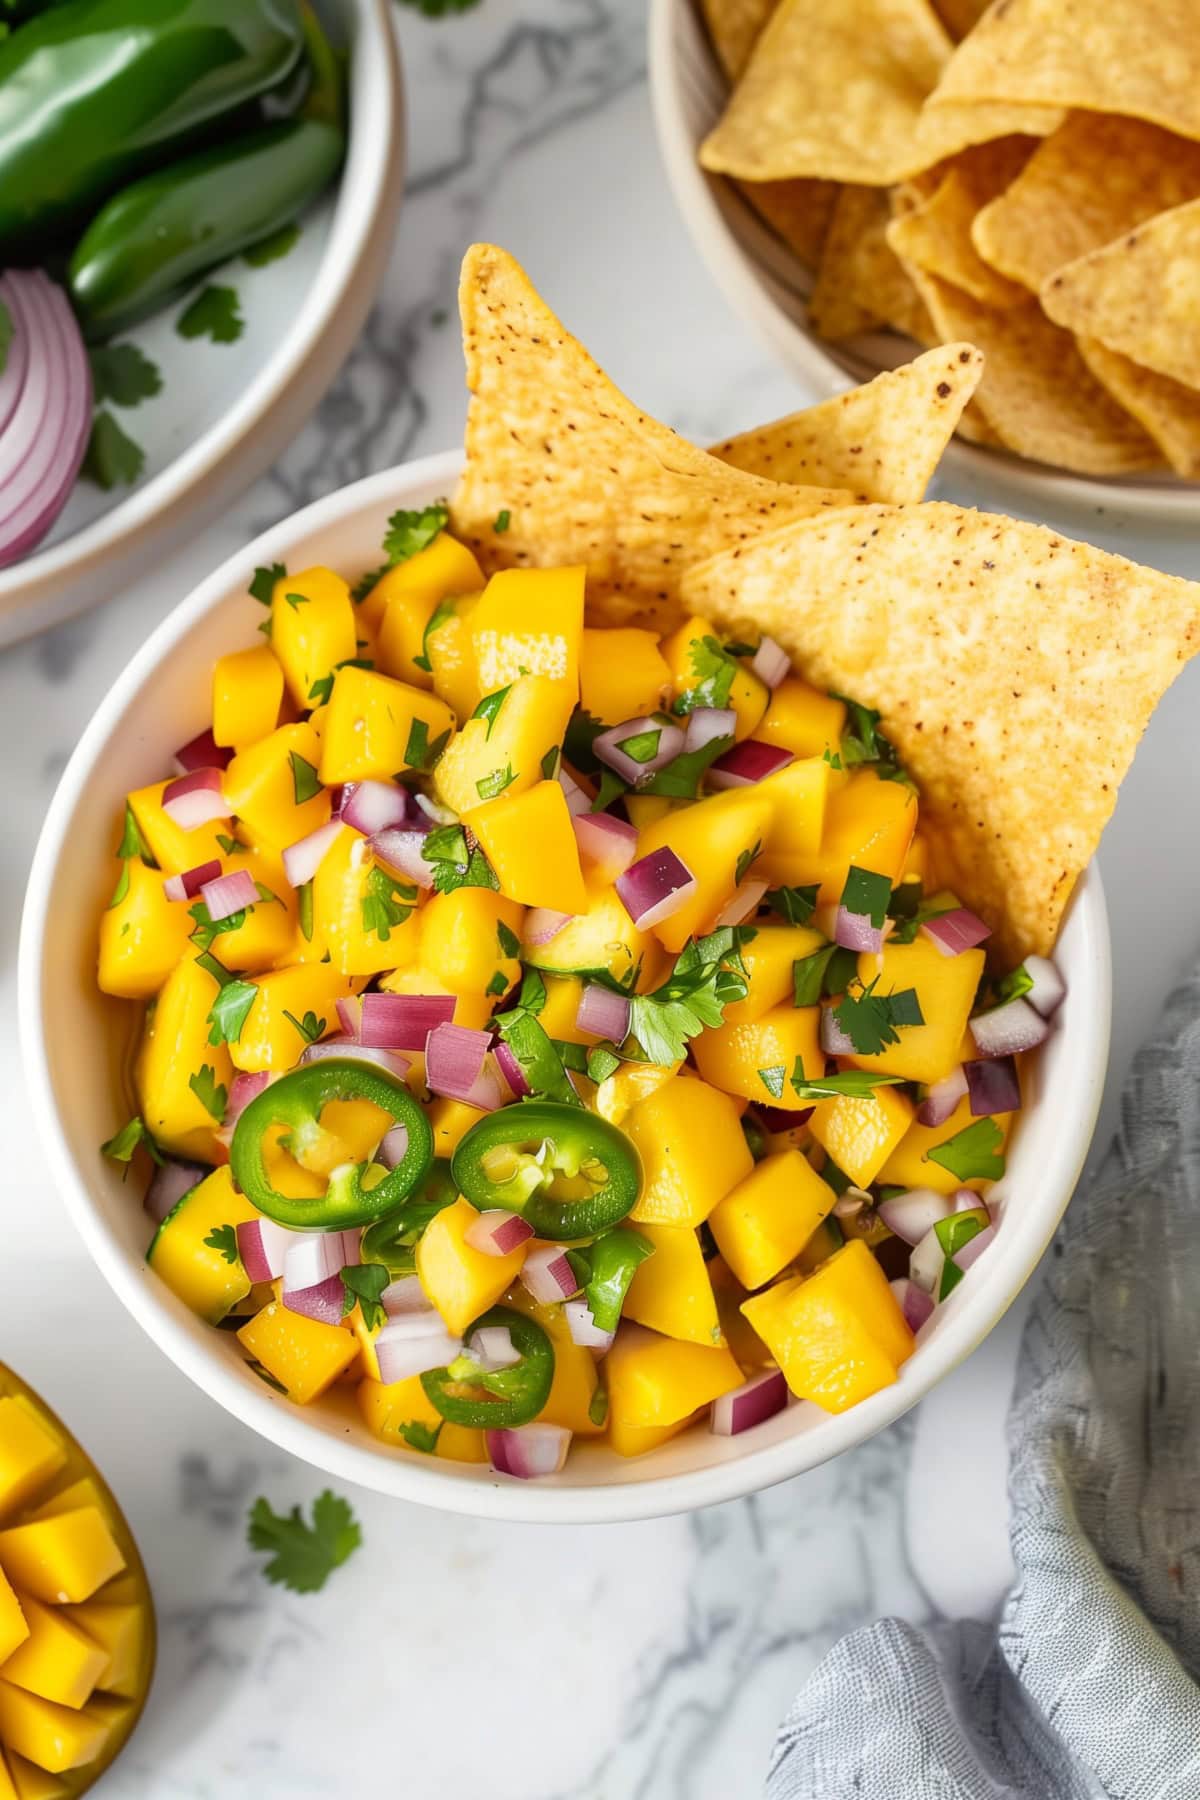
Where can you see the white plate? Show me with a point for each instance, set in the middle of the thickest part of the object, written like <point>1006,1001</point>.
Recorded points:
<point>227,410</point>
<point>769,288</point>
<point>74,1042</point>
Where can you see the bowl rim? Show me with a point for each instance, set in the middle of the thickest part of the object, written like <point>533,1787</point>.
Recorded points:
<point>1166,500</point>
<point>366,192</point>
<point>1003,1274</point>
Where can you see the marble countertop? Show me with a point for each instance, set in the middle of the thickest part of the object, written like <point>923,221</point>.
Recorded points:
<point>647,1660</point>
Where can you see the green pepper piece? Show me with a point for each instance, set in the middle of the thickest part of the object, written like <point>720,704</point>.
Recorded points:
<point>393,1240</point>
<point>510,1396</point>
<point>296,1101</point>
<point>613,1262</point>
<point>512,1158</point>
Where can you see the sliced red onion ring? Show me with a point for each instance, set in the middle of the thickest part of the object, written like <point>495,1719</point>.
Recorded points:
<point>403,851</point>
<point>915,1212</point>
<point>655,887</point>
<point>583,1329</point>
<point>834,1041</point>
<point>371,806</point>
<point>603,1013</point>
<point>391,1061</point>
<point>667,740</point>
<point>541,924</point>
<point>459,1065</point>
<point>548,1275</point>
<point>757,1399</point>
<point>302,859</point>
<point>229,894</point>
<point>202,752</point>
<point>195,799</point>
<point>404,1021</point>
<point>742,904</point>
<point>855,931</point>
<point>511,1070</point>
<point>771,662</point>
<point>349,1012</point>
<point>46,407</point>
<point>497,1232</point>
<point>1006,1030</point>
<point>954,932</point>
<point>915,1303</point>
<point>607,846</point>
<point>405,1298</point>
<point>263,1247</point>
<point>529,1451</point>
<point>169,1183</point>
<point>747,763</point>
<point>491,1346</point>
<point>188,885</point>
<point>401,1355</point>
<point>708,723</point>
<point>974,1248</point>
<point>942,1098</point>
<point>1048,990</point>
<point>993,1085</point>
<point>578,801</point>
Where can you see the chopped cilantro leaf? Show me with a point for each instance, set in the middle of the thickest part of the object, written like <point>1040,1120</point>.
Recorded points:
<point>744,861</point>
<point>365,583</point>
<point>112,459</point>
<point>213,314</point>
<point>611,788</point>
<point>273,248</point>
<point>122,374</point>
<point>304,1556</point>
<point>867,894</point>
<point>773,1079</point>
<point>229,1011</point>
<point>712,677</point>
<point>681,778</point>
<point>498,984</point>
<point>419,753</point>
<point>503,520</point>
<point>840,971</point>
<point>551,763</point>
<point>871,1020</point>
<point>207,928</point>
<point>906,1008</point>
<point>224,1239</point>
<point>859,1084</point>
<point>321,689</point>
<point>209,1092</point>
<point>309,1027</point>
<point>1017,982</point>
<point>708,976</point>
<point>262,588</point>
<point>532,995</point>
<point>132,842</point>
<point>490,706</point>
<point>364,1283</point>
<point>304,911</point>
<point>808,976</point>
<point>455,865</point>
<point>121,1146</point>
<point>415,1432</point>
<point>541,1060</point>
<point>581,733</point>
<point>443,611</point>
<point>490,785</point>
<point>509,942</point>
<point>229,845</point>
<point>386,903</point>
<point>296,601</point>
<point>602,1062</point>
<point>795,904</point>
<point>408,532</point>
<point>306,783</point>
<point>976,1152</point>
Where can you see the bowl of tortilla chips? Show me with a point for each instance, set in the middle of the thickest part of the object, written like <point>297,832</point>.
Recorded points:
<point>884,173</point>
<point>1012,669</point>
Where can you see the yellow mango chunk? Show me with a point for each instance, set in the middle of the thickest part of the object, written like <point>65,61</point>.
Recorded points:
<point>199,1273</point>
<point>120,1632</point>
<point>711,838</point>
<point>633,1082</point>
<point>269,1039</point>
<point>656,1381</point>
<point>638,1440</point>
<point>14,1628</point>
<point>450,652</point>
<point>838,1335</point>
<point>63,1558</point>
<point>313,629</point>
<point>142,934</point>
<point>768,959</point>
<point>54,1737</point>
<point>945,987</point>
<point>746,1059</point>
<point>800,719</point>
<point>399,1412</point>
<point>174,1049</point>
<point>25,1781</point>
<point>860,1135</point>
<point>31,1452</point>
<point>270,924</point>
<point>690,653</point>
<point>769,1217</point>
<point>622,675</point>
<point>83,1492</point>
<point>529,841</point>
<point>868,822</point>
<point>451,1120</point>
<point>459,1443</point>
<point>247,695</point>
<point>671,1291</point>
<point>459,1281</point>
<point>603,937</point>
<point>376,727</point>
<point>692,1150</point>
<point>402,601</point>
<point>470,939</point>
<point>174,849</point>
<point>304,1355</point>
<point>647,809</point>
<point>273,786</point>
<point>529,622</point>
<point>518,737</point>
<point>909,1164</point>
<point>571,1401</point>
<point>799,796</point>
<point>365,914</point>
<point>557,1017</point>
<point>57,1660</point>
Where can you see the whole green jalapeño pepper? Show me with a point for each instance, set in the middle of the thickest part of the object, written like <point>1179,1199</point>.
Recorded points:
<point>517,1156</point>
<point>498,1400</point>
<point>296,1102</point>
<point>94,92</point>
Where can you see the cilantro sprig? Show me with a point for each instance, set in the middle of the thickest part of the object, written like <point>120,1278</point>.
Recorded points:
<point>708,976</point>
<point>410,531</point>
<point>872,1020</point>
<point>121,1146</point>
<point>713,670</point>
<point>974,1153</point>
<point>364,1284</point>
<point>303,1556</point>
<point>854,1084</point>
<point>386,903</point>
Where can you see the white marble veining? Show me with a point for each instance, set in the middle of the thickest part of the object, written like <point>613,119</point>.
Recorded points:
<point>452,1658</point>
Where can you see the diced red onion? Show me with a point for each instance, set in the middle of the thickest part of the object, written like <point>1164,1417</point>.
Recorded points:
<point>459,1065</point>
<point>757,1399</point>
<point>993,1085</point>
<point>188,885</point>
<point>405,1298</point>
<point>492,1347</point>
<point>915,1212</point>
<point>603,1013</point>
<point>511,1070</point>
<point>195,799</point>
<point>915,1303</point>
<point>393,1147</point>
<point>322,1301</point>
<point>1048,990</point>
<point>966,1200</point>
<point>954,932</point>
<point>942,1098</point>
<point>607,846</point>
<point>529,1451</point>
<point>742,904</point>
<point>834,1041</point>
<point>974,1248</point>
<point>926,1263</point>
<point>771,662</point>
<point>392,1062</point>
<point>497,1232</point>
<point>263,1247</point>
<point>541,924</point>
<point>202,752</point>
<point>655,887</point>
<point>583,1329</point>
<point>855,931</point>
<point>747,763</point>
<point>371,806</point>
<point>313,1256</point>
<point>607,748</point>
<point>1006,1030</point>
<point>349,1012</point>
<point>578,801</point>
<point>708,723</point>
<point>45,410</point>
<point>169,1183</point>
<point>548,1274</point>
<point>403,1021</point>
<point>228,894</point>
<point>302,859</point>
<point>403,851</point>
<point>400,1354</point>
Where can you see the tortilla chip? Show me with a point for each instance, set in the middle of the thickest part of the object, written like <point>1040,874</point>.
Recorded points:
<point>583,475</point>
<point>860,283</point>
<point>936,234</point>
<point>1093,181</point>
<point>800,212</point>
<point>1015,672</point>
<point>1037,393</point>
<point>734,26</point>
<point>884,439</point>
<point>1140,296</point>
<point>1167,410</point>
<point>948,127</point>
<point>1139,57</point>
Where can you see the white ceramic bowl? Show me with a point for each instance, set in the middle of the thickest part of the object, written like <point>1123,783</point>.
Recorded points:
<point>75,1043</point>
<point>226,411</point>
<point>766,285</point>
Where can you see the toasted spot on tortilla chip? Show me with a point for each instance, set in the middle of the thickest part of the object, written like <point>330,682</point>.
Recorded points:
<point>583,476</point>
<point>884,439</point>
<point>1014,670</point>
<point>734,26</point>
<point>1166,409</point>
<point>936,233</point>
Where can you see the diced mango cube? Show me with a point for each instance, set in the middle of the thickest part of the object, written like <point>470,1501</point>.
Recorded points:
<point>769,958</point>
<point>451,1120</point>
<point>180,1254</point>
<point>945,987</point>
<point>247,695</point>
<point>838,1335</point>
<point>173,849</point>
<point>366,915</point>
<point>637,1440</point>
<point>25,1781</point>
<point>304,1355</point>
<point>910,1166</point>
<point>269,928</point>
<point>626,1087</point>
<point>269,1038</point>
<point>14,1627</point>
<point>769,1217</point>
<point>798,795</point>
<point>57,1660</point>
<point>83,1492</point>
<point>510,746</point>
<point>529,622</point>
<point>31,1451</point>
<point>173,1053</point>
<point>459,1281</point>
<point>142,934</point>
<point>758,1059</point>
<point>399,1412</point>
<point>692,1151</point>
<point>402,601</point>
<point>868,822</point>
<point>801,719</point>
<point>376,727</point>
<point>459,1443</point>
<point>449,650</point>
<point>712,839</point>
<point>313,629</point>
<point>530,842</point>
<point>860,1134</point>
<point>671,1291</point>
<point>655,1381</point>
<point>54,1737</point>
<point>604,938</point>
<point>120,1631</point>
<point>470,940</point>
<point>622,675</point>
<point>63,1558</point>
<point>274,788</point>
